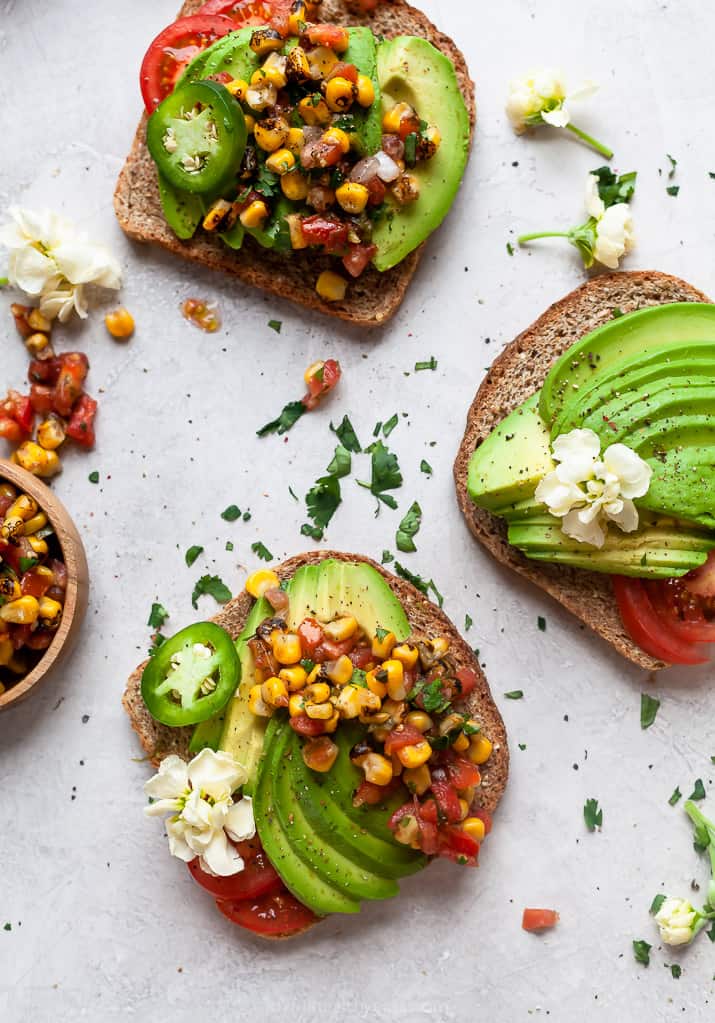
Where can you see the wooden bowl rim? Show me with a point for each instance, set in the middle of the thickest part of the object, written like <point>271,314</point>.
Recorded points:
<point>75,560</point>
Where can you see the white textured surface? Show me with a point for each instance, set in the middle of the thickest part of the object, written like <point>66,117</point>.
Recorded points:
<point>111,928</point>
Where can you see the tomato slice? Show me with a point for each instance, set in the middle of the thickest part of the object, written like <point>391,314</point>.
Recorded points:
<point>276,914</point>
<point>251,12</point>
<point>702,580</point>
<point>173,49</point>
<point>646,628</point>
<point>539,919</point>
<point>258,877</point>
<point>687,614</point>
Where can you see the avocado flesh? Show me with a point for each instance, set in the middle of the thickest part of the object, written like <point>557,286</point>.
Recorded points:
<point>232,55</point>
<point>362,52</point>
<point>183,210</point>
<point>411,70</point>
<point>635,565</point>
<point>508,466</point>
<point>298,877</point>
<point>321,854</point>
<point>617,340</point>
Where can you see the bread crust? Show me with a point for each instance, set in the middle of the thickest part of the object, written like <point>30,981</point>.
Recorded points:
<point>374,297</point>
<point>520,371</point>
<point>158,741</point>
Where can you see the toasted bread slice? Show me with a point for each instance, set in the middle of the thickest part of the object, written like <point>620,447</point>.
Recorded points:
<point>371,299</point>
<point>424,617</point>
<point>519,372</point>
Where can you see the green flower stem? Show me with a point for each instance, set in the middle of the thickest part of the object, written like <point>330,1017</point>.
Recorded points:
<point>589,140</point>
<point>524,238</point>
<point>700,819</point>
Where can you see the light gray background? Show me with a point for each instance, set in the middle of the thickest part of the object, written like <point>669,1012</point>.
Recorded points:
<point>105,925</point>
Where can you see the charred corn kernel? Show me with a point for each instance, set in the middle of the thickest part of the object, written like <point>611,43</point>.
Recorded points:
<point>9,588</point>
<point>415,756</point>
<point>383,648</point>
<point>271,133</point>
<point>419,720</point>
<point>31,457</point>
<point>45,573</point>
<point>297,18</point>
<point>217,212</point>
<point>480,749</point>
<point>314,674</point>
<point>281,162</point>
<point>440,646</point>
<point>393,118</point>
<point>395,679</point>
<point>250,123</point>
<point>375,684</point>
<point>12,526</point>
<point>331,286</point>
<point>295,186</point>
<point>6,651</point>
<point>314,110</point>
<point>377,769</point>
<point>318,692</point>
<point>322,60</point>
<point>418,779</point>
<point>406,189</point>
<point>286,647</point>
<point>352,197</point>
<point>450,723</point>
<point>333,722</point>
<point>295,140</point>
<point>50,609</point>
<point>408,831</point>
<point>274,70</point>
<point>431,141</point>
<point>365,91</point>
<point>340,94</point>
<point>38,521</point>
<point>341,137</point>
<point>319,711</point>
<point>238,88</point>
<point>474,827</point>
<point>7,491</point>
<point>460,744</point>
<point>275,692</point>
<point>341,629</point>
<point>406,654</point>
<point>23,611</point>
<point>297,65</point>
<point>39,546</point>
<point>261,581</point>
<point>296,705</point>
<point>348,702</point>
<point>341,671</point>
<point>255,214</point>
<point>294,678</point>
<point>370,704</point>
<point>120,323</point>
<point>260,97</point>
<point>51,433</point>
<point>23,508</point>
<point>256,703</point>
<point>266,40</point>
<point>294,221</point>
<point>36,343</point>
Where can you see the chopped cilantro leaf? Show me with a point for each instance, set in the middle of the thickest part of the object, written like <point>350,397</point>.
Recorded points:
<point>426,468</point>
<point>676,971</point>
<point>657,903</point>
<point>156,641</point>
<point>307,665</point>
<point>192,554</point>
<point>432,697</point>
<point>231,513</point>
<point>381,633</point>
<point>712,175</point>
<point>430,363</point>
<point>510,248</point>
<point>673,165</point>
<point>8,925</point>
<point>641,951</point>
<point>261,551</point>
<point>541,623</point>
<point>698,792</point>
<point>676,797</point>
<point>292,493</point>
<point>157,616</point>
<point>229,545</point>
<point>390,425</point>
<point>246,516</point>
<point>358,678</point>
<point>673,190</point>
<point>387,558</point>
<point>386,474</point>
<point>515,694</point>
<point>288,418</point>
<point>275,325</point>
<point>214,587</point>
<point>315,532</point>
<point>341,464</point>
<point>592,814</point>
<point>522,746</point>
<point>649,710</point>
<point>613,189</point>
<point>322,501</point>
<point>347,436</point>
<point>408,528</point>
<point>711,932</point>
<point>422,584</point>
<point>26,563</point>
<point>93,477</point>
<point>468,622</point>
<point>266,183</point>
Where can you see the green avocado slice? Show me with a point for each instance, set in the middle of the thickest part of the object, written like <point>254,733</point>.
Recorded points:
<point>362,52</point>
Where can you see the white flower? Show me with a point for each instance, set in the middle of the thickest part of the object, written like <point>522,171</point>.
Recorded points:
<point>52,260</point>
<point>541,98</point>
<point>677,922</point>
<point>586,491</point>
<point>199,797</point>
<point>614,236</point>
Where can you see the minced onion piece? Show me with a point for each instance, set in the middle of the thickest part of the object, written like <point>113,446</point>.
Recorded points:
<point>387,169</point>
<point>365,170</point>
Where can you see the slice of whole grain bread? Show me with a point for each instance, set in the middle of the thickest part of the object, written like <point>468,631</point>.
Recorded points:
<point>519,372</point>
<point>371,299</point>
<point>424,617</point>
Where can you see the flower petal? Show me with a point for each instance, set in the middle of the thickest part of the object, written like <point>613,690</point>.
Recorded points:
<point>30,270</point>
<point>170,781</point>
<point>216,774</point>
<point>595,206</point>
<point>614,235</point>
<point>577,451</point>
<point>633,473</point>
<point>176,831</point>
<point>162,807</point>
<point>240,823</point>
<point>626,519</point>
<point>82,262</point>
<point>585,532</point>
<point>559,117</point>
<point>221,857</point>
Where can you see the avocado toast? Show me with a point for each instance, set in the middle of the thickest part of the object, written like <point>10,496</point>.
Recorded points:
<point>289,269</point>
<point>341,831</point>
<point>646,394</point>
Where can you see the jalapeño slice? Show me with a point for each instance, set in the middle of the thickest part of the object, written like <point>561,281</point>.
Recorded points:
<point>191,676</point>
<point>197,137</point>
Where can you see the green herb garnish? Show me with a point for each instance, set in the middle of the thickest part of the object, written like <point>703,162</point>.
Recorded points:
<point>157,616</point>
<point>515,694</point>
<point>261,551</point>
<point>467,622</point>
<point>424,585</point>
<point>93,477</point>
<point>192,554</point>
<point>390,425</point>
<point>431,363</point>
<point>641,951</point>
<point>592,814</point>
<point>676,797</point>
<point>649,710</point>
<point>386,474</point>
<point>673,190</point>
<point>347,436</point>
<point>426,468</point>
<point>214,587</point>
<point>231,513</point>
<point>341,463</point>
<point>408,528</point>
<point>698,792</point>
<point>288,418</point>
<point>275,325</point>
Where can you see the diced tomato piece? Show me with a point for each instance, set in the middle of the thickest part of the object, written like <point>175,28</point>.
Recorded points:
<point>331,651</point>
<point>40,639</point>
<point>648,629</point>
<point>329,232</point>
<point>59,571</point>
<point>409,125</point>
<point>304,725</point>
<point>368,794</point>
<point>34,584</point>
<point>539,919</point>
<point>20,635</point>
<point>467,678</point>
<point>429,811</point>
<point>403,735</point>
<point>362,656</point>
<point>343,70</point>
<point>311,636</point>
<point>486,819</point>
<point>17,408</point>
<point>323,378</point>
<point>335,37</point>
<point>377,191</point>
<point>44,371</point>
<point>429,837</point>
<point>462,773</point>
<point>320,153</point>
<point>74,367</point>
<point>9,430</point>
<point>445,795</point>
<point>358,258</point>
<point>458,846</point>
<point>81,425</point>
<point>411,809</point>
<point>42,398</point>
<point>263,656</point>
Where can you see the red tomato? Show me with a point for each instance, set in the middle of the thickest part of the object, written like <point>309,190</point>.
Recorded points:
<point>701,581</point>
<point>34,584</point>
<point>342,70</point>
<point>458,846</point>
<point>251,12</point>
<point>9,430</point>
<point>445,795</point>
<point>539,919</point>
<point>687,605</point>
<point>40,639</point>
<point>257,878</point>
<point>173,49</point>
<point>405,735</point>
<point>461,772</point>
<point>369,794</point>
<point>467,678</point>
<point>5,501</point>
<point>328,231</point>
<point>358,259</point>
<point>646,628</point>
<point>81,425</point>
<point>335,37</point>
<point>323,378</point>
<point>277,914</point>
<point>429,837</point>
<point>377,190</point>
<point>331,651</point>
<point>44,371</point>
<point>361,657</point>
<point>409,125</point>
<point>486,819</point>
<point>41,398</point>
<point>304,725</point>
<point>311,636</point>
<point>74,367</point>
<point>17,408</point>
<point>321,153</point>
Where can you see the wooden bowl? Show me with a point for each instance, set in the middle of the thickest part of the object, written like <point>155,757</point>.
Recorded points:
<point>77,592</point>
